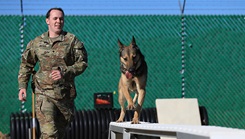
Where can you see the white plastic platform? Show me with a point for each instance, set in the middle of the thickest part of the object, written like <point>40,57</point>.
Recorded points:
<point>126,130</point>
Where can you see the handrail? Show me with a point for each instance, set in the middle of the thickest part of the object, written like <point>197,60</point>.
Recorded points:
<point>125,130</point>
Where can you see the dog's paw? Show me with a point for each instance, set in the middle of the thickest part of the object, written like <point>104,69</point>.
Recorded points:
<point>135,121</point>
<point>119,121</point>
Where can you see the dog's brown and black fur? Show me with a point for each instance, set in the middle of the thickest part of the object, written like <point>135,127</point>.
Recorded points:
<point>133,79</point>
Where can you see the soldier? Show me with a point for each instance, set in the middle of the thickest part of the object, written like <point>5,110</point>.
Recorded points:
<point>61,57</point>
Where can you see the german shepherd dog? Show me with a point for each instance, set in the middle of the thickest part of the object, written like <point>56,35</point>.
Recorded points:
<point>133,79</point>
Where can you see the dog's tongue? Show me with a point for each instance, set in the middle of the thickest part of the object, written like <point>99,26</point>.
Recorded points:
<point>128,75</point>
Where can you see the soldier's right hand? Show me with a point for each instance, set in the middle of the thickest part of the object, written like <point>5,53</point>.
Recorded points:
<point>22,94</point>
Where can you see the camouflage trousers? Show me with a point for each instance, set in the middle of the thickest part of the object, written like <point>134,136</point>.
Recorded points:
<point>54,116</point>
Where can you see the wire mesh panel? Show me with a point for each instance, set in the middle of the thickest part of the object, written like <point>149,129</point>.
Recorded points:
<point>214,54</point>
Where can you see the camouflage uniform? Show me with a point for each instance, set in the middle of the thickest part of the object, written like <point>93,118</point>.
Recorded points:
<point>54,99</point>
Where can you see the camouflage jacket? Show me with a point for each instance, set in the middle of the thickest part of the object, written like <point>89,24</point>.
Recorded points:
<point>66,53</point>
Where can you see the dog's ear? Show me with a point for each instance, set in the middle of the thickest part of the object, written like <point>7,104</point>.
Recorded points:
<point>120,45</point>
<point>133,42</point>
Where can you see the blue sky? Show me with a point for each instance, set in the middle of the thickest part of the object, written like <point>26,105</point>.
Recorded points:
<point>124,7</point>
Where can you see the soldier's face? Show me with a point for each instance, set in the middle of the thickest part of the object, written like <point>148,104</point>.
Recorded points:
<point>55,22</point>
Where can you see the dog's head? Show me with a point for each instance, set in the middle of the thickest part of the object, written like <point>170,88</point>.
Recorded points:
<point>130,58</point>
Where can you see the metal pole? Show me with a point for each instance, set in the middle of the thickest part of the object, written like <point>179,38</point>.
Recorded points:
<point>183,36</point>
<point>22,24</point>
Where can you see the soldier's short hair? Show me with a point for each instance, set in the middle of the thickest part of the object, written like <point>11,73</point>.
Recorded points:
<point>48,13</point>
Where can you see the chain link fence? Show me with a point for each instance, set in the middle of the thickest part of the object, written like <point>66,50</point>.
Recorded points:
<point>214,54</point>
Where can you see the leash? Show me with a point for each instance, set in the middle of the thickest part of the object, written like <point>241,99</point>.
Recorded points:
<point>22,107</point>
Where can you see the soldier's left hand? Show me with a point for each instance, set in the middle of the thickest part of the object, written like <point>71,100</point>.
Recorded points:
<point>56,75</point>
